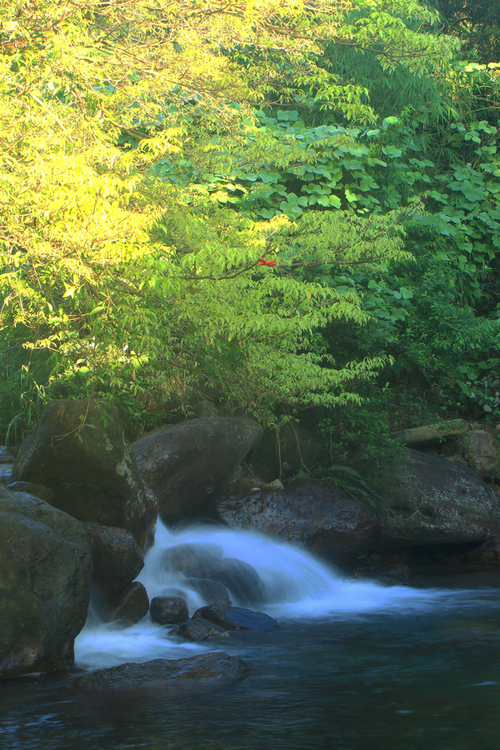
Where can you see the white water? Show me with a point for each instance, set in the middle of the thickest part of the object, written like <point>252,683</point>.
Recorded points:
<point>296,584</point>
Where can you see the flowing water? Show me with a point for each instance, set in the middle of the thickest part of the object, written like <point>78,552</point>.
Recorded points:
<point>355,666</point>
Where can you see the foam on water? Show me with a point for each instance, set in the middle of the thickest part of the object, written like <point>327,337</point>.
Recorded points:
<point>295,584</point>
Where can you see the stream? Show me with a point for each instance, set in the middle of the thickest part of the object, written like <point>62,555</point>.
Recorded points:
<point>355,666</point>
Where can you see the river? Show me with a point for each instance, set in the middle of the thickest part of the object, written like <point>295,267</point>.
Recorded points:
<point>354,666</point>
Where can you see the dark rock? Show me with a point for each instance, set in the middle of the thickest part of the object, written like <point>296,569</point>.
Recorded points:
<point>386,570</point>
<point>184,556</point>
<point>79,451</point>
<point>236,618</point>
<point>198,630</point>
<point>6,455</point>
<point>239,577</point>
<point>168,610</point>
<point>212,591</point>
<point>428,500</point>
<point>220,667</point>
<point>285,453</point>
<point>313,512</point>
<point>6,473</point>
<point>116,556</point>
<point>186,465</point>
<point>45,569</point>
<point>37,490</point>
<point>130,606</point>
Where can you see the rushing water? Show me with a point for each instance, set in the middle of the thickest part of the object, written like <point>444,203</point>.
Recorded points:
<point>355,666</point>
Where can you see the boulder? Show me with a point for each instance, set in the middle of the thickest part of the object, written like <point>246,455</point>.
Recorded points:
<point>78,450</point>
<point>239,577</point>
<point>129,606</point>
<point>428,500</point>
<point>482,451</point>
<point>198,630</point>
<point>6,455</point>
<point>212,591</point>
<point>45,569</point>
<point>219,667</point>
<point>313,512</point>
<point>38,490</point>
<point>117,558</point>
<point>169,610</point>
<point>186,465</point>
<point>236,618</point>
<point>181,557</point>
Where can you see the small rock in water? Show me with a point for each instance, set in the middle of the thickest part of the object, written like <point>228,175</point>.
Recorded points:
<point>168,610</point>
<point>236,618</point>
<point>6,455</point>
<point>204,667</point>
<point>198,630</point>
<point>212,591</point>
<point>184,556</point>
<point>130,606</point>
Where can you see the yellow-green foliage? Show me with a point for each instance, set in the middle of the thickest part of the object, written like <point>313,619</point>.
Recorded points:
<point>123,284</point>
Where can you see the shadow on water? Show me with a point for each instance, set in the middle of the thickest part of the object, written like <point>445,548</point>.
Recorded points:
<point>413,670</point>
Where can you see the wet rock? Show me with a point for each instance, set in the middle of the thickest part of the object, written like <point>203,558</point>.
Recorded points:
<point>482,451</point>
<point>6,455</point>
<point>186,465</point>
<point>45,569</point>
<point>168,610</point>
<point>239,577</point>
<point>198,630</point>
<point>236,618</point>
<point>313,512</point>
<point>129,606</point>
<point>219,667</point>
<point>37,490</point>
<point>79,451</point>
<point>6,473</point>
<point>428,500</point>
<point>184,556</point>
<point>212,591</point>
<point>116,556</point>
<point>386,570</point>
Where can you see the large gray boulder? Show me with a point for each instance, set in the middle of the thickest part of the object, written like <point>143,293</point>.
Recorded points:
<point>45,569</point>
<point>78,449</point>
<point>186,465</point>
<point>430,500</point>
<point>313,512</point>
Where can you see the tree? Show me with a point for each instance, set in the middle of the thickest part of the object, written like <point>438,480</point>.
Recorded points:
<point>120,283</point>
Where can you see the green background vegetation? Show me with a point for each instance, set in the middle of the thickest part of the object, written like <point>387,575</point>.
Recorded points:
<point>152,154</point>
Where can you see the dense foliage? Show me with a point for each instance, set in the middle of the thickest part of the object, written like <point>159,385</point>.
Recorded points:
<point>274,206</point>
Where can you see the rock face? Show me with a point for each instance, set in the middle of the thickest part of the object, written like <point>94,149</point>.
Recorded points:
<point>116,557</point>
<point>236,618</point>
<point>79,451</point>
<point>286,452</point>
<point>45,569</point>
<point>482,452</point>
<point>220,667</point>
<point>186,465</point>
<point>311,511</point>
<point>429,500</point>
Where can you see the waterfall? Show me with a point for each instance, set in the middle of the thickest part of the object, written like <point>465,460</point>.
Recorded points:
<point>294,583</point>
